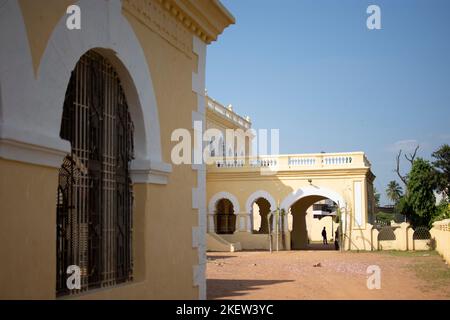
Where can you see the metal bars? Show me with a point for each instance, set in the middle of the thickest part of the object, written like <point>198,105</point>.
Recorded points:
<point>94,207</point>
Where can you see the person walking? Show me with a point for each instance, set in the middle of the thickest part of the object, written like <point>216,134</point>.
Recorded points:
<point>324,236</point>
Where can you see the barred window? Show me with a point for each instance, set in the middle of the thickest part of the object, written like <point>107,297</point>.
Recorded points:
<point>94,197</point>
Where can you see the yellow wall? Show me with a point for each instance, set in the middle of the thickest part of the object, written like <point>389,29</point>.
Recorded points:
<point>27,230</point>
<point>164,261</point>
<point>315,226</point>
<point>440,233</point>
<point>40,19</point>
<point>242,182</point>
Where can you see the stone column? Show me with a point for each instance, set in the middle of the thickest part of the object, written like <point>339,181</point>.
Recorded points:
<point>211,224</point>
<point>243,223</point>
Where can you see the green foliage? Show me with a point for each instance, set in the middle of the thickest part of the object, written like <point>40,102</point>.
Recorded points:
<point>404,207</point>
<point>419,202</point>
<point>394,191</point>
<point>442,211</point>
<point>377,197</point>
<point>442,166</point>
<point>384,216</point>
<point>420,197</point>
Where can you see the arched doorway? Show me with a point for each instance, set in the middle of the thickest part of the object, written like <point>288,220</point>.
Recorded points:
<point>94,203</point>
<point>261,209</point>
<point>225,217</point>
<point>312,218</point>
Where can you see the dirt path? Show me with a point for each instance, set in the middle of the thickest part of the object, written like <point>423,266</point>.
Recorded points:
<point>292,275</point>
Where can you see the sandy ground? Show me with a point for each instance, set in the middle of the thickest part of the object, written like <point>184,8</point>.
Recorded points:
<point>292,275</point>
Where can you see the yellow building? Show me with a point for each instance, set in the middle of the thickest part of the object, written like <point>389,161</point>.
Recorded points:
<point>86,117</point>
<point>243,190</point>
<point>91,93</point>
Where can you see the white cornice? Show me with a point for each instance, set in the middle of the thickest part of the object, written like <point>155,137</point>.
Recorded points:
<point>31,147</point>
<point>206,19</point>
<point>28,153</point>
<point>150,171</point>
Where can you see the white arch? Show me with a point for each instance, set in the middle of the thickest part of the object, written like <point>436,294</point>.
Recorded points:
<point>260,194</point>
<point>39,111</point>
<point>223,195</point>
<point>312,191</point>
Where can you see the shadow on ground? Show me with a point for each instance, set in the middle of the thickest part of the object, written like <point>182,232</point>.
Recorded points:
<point>214,257</point>
<point>221,288</point>
<point>320,247</point>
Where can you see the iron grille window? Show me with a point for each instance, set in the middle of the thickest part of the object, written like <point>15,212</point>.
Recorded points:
<point>94,199</point>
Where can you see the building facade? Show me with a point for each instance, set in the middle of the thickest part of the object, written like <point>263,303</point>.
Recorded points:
<point>86,117</point>
<point>243,190</point>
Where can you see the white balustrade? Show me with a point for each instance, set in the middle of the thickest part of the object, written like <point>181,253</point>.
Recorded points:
<point>217,107</point>
<point>301,161</point>
<point>296,162</point>
<point>337,160</point>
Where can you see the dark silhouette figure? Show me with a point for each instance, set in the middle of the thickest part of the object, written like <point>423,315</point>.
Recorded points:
<point>336,240</point>
<point>324,236</point>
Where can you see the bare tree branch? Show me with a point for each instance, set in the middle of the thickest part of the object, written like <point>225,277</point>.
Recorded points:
<point>412,156</point>
<point>403,178</point>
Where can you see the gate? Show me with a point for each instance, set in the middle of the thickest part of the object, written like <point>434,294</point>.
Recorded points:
<point>94,201</point>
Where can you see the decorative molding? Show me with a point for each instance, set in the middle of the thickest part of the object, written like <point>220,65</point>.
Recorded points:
<point>29,153</point>
<point>160,20</point>
<point>205,20</point>
<point>150,172</point>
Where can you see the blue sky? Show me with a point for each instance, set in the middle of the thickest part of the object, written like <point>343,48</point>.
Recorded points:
<point>312,69</point>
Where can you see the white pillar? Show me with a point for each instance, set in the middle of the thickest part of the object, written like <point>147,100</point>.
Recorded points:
<point>211,226</point>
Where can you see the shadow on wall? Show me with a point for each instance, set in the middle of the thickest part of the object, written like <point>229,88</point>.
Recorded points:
<point>226,288</point>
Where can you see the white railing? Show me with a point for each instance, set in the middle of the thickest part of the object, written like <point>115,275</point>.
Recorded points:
<point>217,107</point>
<point>263,162</point>
<point>342,160</point>
<point>297,162</point>
<point>301,161</point>
<point>236,163</point>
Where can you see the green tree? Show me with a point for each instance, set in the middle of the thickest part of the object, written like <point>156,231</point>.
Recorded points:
<point>404,207</point>
<point>377,196</point>
<point>394,192</point>
<point>442,211</point>
<point>442,167</point>
<point>420,197</point>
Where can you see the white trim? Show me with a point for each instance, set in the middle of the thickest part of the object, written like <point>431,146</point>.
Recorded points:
<point>358,203</point>
<point>260,194</point>
<point>18,151</point>
<point>150,172</point>
<point>199,192</point>
<point>223,195</point>
<point>312,191</point>
<point>39,110</point>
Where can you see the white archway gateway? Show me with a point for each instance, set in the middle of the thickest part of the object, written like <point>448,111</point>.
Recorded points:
<point>312,191</point>
<point>30,125</point>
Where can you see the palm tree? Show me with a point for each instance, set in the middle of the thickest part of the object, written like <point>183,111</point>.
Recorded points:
<point>394,191</point>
